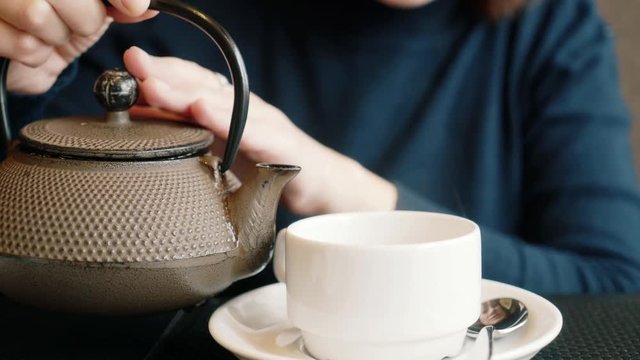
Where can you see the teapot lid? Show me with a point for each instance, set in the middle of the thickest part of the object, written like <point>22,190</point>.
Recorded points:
<point>116,136</point>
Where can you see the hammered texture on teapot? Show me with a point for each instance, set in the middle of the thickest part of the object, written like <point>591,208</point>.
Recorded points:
<point>87,211</point>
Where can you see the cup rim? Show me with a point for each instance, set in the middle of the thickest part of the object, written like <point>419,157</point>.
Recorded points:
<point>467,236</point>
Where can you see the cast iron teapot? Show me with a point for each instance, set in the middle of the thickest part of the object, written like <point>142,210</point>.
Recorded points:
<point>117,215</point>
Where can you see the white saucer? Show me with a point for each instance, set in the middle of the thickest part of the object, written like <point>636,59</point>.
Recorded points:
<point>254,325</point>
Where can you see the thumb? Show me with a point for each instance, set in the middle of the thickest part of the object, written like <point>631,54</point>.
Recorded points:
<point>131,8</point>
<point>137,62</point>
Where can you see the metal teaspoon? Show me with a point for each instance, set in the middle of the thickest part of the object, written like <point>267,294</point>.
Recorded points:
<point>500,316</point>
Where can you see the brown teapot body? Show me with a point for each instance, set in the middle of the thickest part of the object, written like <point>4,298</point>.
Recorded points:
<point>130,237</point>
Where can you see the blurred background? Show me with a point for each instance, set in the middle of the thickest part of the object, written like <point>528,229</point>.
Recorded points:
<point>624,19</point>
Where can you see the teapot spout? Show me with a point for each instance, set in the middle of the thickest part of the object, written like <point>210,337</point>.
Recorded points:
<point>253,207</point>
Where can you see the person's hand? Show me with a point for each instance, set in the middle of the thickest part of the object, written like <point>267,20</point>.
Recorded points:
<point>42,37</point>
<point>328,182</point>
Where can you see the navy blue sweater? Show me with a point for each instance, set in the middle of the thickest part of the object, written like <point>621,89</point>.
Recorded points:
<point>518,125</point>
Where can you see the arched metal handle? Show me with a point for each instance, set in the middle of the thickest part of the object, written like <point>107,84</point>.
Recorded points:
<point>226,45</point>
<point>4,113</point>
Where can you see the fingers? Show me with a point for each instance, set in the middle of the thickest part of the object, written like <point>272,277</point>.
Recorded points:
<point>186,89</point>
<point>78,44</point>
<point>191,91</point>
<point>44,36</point>
<point>32,80</point>
<point>35,17</point>
<point>21,46</point>
<point>81,17</point>
<point>54,22</point>
<point>137,62</point>
<point>174,84</point>
<point>156,113</point>
<point>30,29</point>
<point>175,72</point>
<point>158,94</point>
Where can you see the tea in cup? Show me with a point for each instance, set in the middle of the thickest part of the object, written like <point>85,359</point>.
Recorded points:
<point>381,285</point>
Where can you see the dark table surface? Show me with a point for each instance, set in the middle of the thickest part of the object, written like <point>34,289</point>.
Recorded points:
<point>595,327</point>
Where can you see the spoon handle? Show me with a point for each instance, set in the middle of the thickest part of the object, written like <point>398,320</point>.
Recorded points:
<point>480,349</point>
<point>490,330</point>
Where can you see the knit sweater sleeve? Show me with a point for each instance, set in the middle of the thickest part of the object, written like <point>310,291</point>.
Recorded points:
<point>24,109</point>
<point>581,205</point>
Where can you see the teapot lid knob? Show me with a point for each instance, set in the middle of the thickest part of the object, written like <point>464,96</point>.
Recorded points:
<point>116,90</point>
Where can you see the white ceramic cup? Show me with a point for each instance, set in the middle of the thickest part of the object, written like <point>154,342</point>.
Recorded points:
<point>381,285</point>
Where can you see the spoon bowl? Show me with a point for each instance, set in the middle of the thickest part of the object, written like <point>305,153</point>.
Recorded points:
<point>505,315</point>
